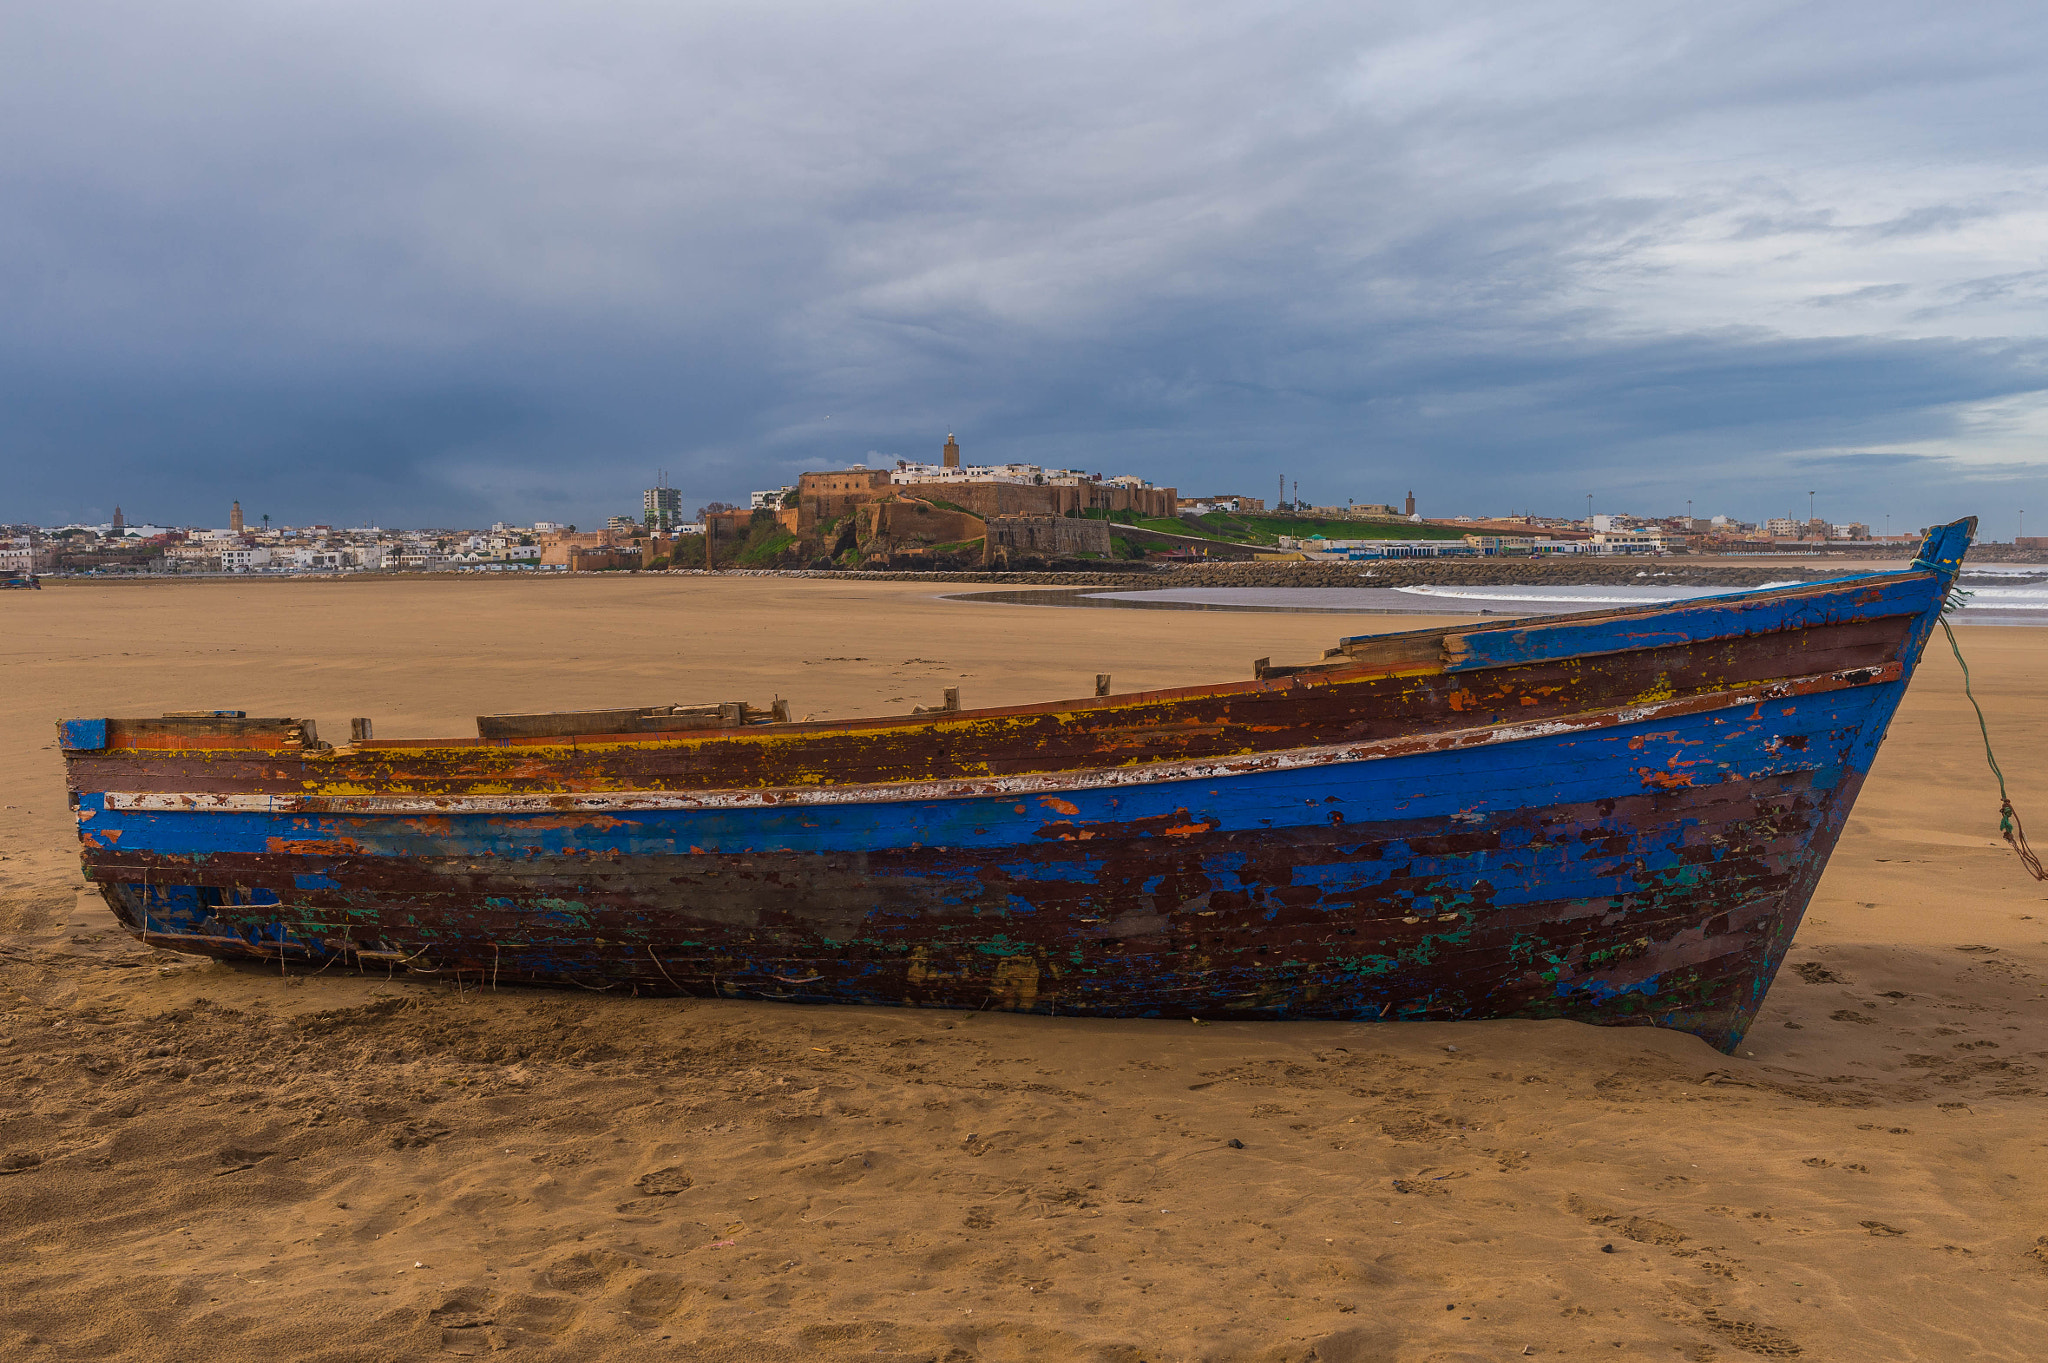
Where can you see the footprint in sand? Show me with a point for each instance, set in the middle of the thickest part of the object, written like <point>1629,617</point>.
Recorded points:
<point>662,1182</point>
<point>588,1272</point>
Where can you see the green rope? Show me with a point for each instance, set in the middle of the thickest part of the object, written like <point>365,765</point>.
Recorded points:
<point>2009,826</point>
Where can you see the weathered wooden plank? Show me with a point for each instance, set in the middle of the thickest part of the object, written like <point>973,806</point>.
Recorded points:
<point>652,719</point>
<point>1020,786</point>
<point>225,731</point>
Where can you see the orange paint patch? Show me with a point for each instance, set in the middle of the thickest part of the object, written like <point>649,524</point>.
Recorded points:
<point>1059,806</point>
<point>314,847</point>
<point>435,825</point>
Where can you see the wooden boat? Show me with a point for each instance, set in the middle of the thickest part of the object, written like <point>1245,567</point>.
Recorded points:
<point>1616,817</point>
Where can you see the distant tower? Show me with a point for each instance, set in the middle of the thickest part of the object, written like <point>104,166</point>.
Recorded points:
<point>952,451</point>
<point>1411,505</point>
<point>235,518</point>
<point>120,523</point>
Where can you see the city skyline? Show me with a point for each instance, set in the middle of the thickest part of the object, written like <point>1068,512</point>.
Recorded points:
<point>661,511</point>
<point>668,502</point>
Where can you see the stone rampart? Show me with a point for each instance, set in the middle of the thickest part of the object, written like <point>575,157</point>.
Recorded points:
<point>1050,537</point>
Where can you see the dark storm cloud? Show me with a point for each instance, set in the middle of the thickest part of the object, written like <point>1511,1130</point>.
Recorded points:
<point>447,263</point>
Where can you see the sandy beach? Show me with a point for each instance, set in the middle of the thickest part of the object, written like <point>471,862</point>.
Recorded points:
<point>205,1162</point>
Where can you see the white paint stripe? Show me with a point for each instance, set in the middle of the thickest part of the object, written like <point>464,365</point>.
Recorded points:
<point>1154,773</point>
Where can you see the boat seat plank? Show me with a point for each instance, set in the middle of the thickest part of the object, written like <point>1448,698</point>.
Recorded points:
<point>648,719</point>
<point>212,730</point>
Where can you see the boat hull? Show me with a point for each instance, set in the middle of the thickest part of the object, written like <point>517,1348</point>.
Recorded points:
<point>1646,871</point>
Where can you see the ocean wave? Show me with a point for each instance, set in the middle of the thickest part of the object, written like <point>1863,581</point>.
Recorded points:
<point>2008,598</point>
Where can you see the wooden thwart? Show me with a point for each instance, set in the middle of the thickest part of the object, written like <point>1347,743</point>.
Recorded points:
<point>647,719</point>
<point>180,729</point>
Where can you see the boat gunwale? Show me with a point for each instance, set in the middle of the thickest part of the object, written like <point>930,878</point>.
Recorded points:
<point>1132,774</point>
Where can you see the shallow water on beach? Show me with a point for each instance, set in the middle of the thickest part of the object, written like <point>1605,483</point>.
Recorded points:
<point>2023,603</point>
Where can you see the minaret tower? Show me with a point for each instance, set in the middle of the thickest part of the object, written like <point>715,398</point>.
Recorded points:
<point>952,451</point>
<point>235,518</point>
<point>120,522</point>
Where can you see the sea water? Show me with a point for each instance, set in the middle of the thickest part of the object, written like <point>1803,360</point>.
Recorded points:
<point>1994,597</point>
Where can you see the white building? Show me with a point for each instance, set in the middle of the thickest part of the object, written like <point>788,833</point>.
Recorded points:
<point>769,498</point>
<point>241,559</point>
<point>197,557</point>
<point>1649,541</point>
<point>22,558</point>
<point>1032,474</point>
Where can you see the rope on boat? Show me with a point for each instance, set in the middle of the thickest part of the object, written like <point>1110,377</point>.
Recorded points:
<point>2009,826</point>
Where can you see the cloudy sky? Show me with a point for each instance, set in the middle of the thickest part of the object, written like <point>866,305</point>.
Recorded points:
<point>444,263</point>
